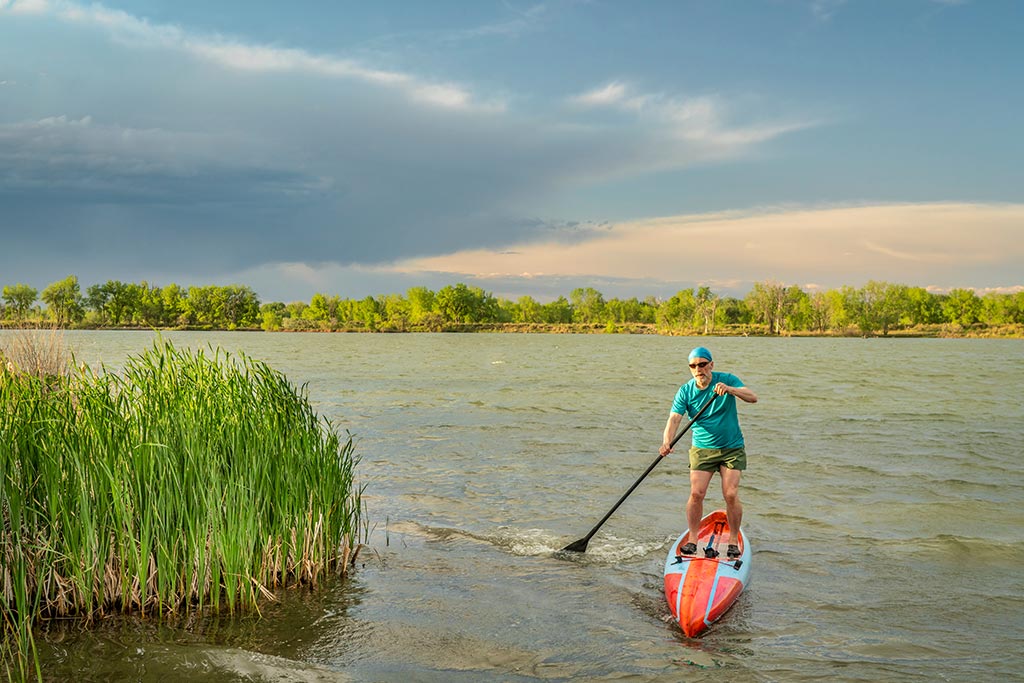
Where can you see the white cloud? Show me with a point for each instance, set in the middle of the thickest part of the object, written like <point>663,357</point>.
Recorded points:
<point>233,54</point>
<point>527,20</point>
<point>699,126</point>
<point>613,93</point>
<point>824,10</point>
<point>58,139</point>
<point>24,6</point>
<point>960,244</point>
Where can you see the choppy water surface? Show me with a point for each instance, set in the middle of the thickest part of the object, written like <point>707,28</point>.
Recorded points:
<point>883,500</point>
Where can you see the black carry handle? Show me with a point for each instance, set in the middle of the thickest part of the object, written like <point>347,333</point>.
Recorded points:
<point>580,546</point>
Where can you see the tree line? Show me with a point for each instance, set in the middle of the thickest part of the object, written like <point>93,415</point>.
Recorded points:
<point>769,308</point>
<point>130,304</point>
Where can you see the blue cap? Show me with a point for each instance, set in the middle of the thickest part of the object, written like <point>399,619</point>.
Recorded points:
<point>700,352</point>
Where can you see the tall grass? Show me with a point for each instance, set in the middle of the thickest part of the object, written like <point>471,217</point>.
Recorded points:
<point>186,481</point>
<point>34,351</point>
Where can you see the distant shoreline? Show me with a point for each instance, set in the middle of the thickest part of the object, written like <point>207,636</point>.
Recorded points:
<point>943,331</point>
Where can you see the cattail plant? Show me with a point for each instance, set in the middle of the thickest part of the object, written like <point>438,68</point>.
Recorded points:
<point>184,481</point>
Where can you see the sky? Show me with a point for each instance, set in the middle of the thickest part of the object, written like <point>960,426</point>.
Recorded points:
<point>527,148</point>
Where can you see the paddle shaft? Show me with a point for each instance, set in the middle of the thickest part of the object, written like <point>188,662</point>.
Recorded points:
<point>581,545</point>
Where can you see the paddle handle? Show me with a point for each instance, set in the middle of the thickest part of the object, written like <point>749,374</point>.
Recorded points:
<point>643,476</point>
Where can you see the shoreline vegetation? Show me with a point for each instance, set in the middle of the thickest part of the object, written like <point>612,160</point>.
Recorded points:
<point>945,331</point>
<point>769,309</point>
<point>186,483</point>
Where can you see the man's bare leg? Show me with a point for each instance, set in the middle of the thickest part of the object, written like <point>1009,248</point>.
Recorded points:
<point>699,481</point>
<point>733,507</point>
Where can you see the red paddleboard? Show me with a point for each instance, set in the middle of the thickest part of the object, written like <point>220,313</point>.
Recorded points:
<point>699,590</point>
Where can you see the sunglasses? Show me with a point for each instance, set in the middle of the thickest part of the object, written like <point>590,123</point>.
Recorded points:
<point>703,363</point>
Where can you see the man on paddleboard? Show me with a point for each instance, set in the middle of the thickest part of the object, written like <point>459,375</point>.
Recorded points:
<point>717,444</point>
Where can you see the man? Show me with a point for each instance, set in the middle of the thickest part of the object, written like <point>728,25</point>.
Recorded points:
<point>717,444</point>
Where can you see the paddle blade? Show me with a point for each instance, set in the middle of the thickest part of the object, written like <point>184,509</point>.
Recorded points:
<point>579,546</point>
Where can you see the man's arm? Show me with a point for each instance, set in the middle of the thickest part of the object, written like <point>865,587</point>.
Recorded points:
<point>742,393</point>
<point>671,427</point>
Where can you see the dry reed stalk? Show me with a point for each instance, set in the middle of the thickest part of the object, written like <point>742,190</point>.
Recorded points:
<point>37,352</point>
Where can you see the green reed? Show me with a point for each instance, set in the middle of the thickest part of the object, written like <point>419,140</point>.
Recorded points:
<point>188,480</point>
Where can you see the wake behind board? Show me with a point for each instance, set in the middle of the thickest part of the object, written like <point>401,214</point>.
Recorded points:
<point>699,590</point>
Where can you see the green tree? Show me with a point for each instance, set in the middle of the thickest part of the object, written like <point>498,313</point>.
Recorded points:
<point>203,306</point>
<point>557,312</point>
<point>921,307</point>
<point>368,311</point>
<point>240,307</point>
<point>349,311</point>
<point>19,299</point>
<point>127,300</point>
<point>488,309</point>
<point>881,303</point>
<point>150,309</point>
<point>64,299</point>
<point>773,303</point>
<point>853,306</point>
<point>801,315</point>
<point>528,310</point>
<point>679,310</point>
<point>587,304</point>
<point>397,311</point>
<point>1002,309</point>
<point>733,311</point>
<point>421,303</point>
<point>500,309</point>
<point>173,297</point>
<point>114,300</point>
<point>1015,307</point>
<point>839,304</point>
<point>649,310</point>
<point>706,306</point>
<point>464,304</point>
<point>273,315</point>
<point>622,310</point>
<point>296,309</point>
<point>962,306</point>
<point>318,309</point>
<point>509,311</point>
<point>819,312</point>
<point>454,303</point>
<point>97,298</point>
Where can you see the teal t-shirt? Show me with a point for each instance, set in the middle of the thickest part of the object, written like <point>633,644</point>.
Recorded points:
<point>719,425</point>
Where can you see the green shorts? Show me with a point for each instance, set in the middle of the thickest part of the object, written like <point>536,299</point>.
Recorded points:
<point>711,459</point>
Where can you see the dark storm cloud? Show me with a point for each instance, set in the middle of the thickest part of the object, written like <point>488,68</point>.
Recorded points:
<point>142,148</point>
<point>348,186</point>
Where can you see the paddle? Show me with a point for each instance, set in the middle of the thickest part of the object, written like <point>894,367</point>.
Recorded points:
<point>580,546</point>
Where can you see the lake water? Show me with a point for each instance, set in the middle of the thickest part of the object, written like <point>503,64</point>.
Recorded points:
<point>883,501</point>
